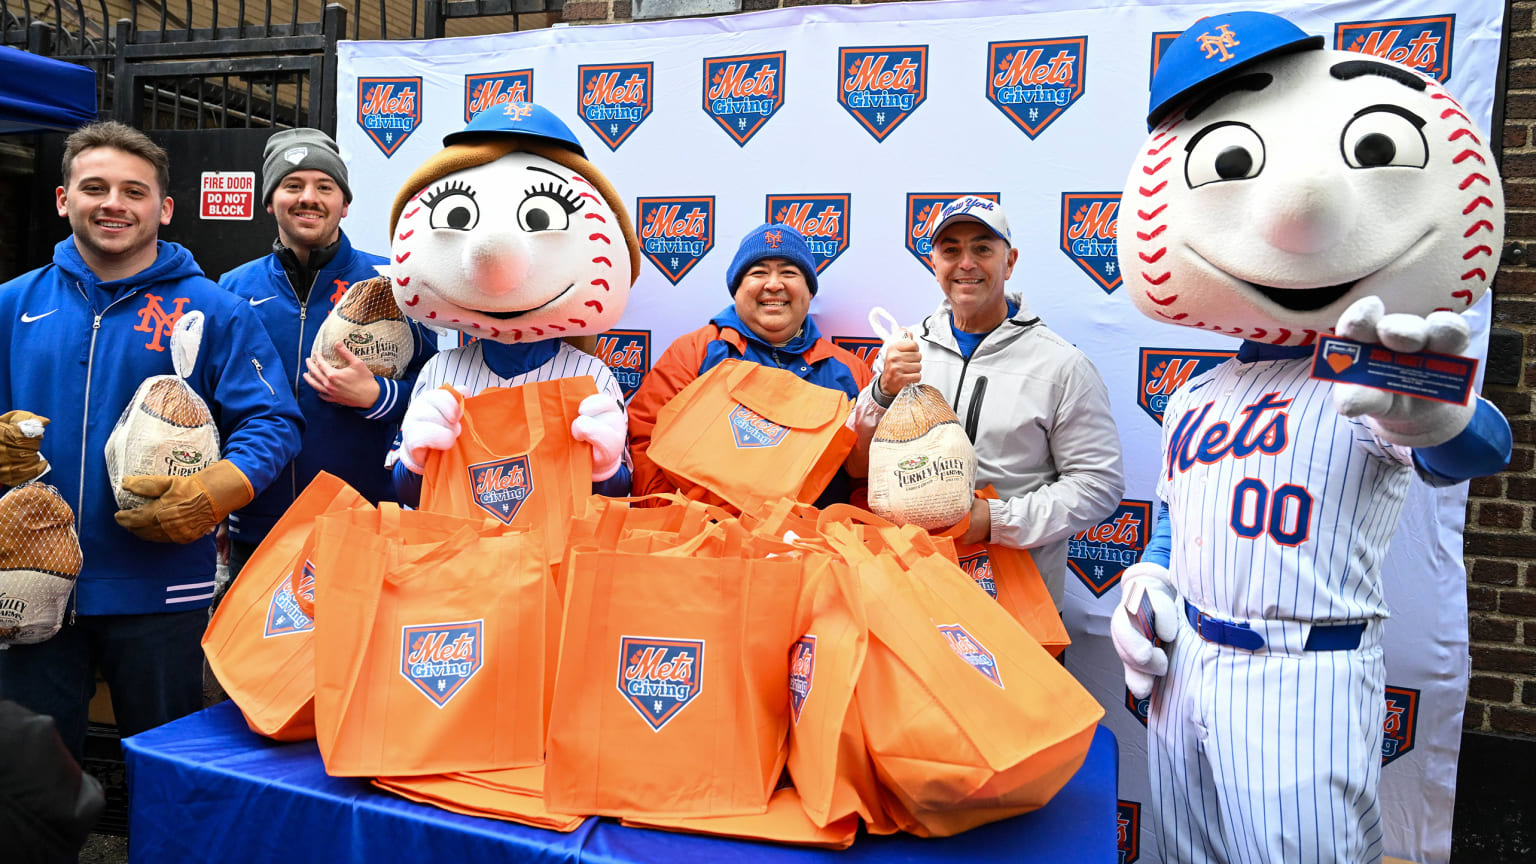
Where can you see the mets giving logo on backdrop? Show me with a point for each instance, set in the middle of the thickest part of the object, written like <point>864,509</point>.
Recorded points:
<point>802,671</point>
<point>676,233</point>
<point>1401,723</point>
<point>1128,831</point>
<point>659,677</point>
<point>1034,81</point>
<point>863,347</point>
<point>753,431</point>
<point>1164,370</point>
<point>1098,555</point>
<point>283,614</point>
<point>627,354</point>
<point>923,216</point>
<point>1160,42</point>
<point>500,487</point>
<point>821,219</point>
<point>742,92</point>
<point>1088,231</point>
<point>881,86</point>
<point>1423,44</point>
<point>614,99</point>
<point>482,92</point>
<point>1139,708</point>
<point>441,658</point>
<point>967,648</point>
<point>389,110</point>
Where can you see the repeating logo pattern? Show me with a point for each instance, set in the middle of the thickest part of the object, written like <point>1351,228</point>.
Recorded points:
<point>881,87</point>
<point>863,347</point>
<point>614,99</point>
<point>1164,370</point>
<point>483,92</point>
<point>923,216</point>
<point>627,354</point>
<point>1089,223</point>
<point>967,648</point>
<point>1401,723</point>
<point>1160,42</point>
<point>441,658</point>
<point>156,321</point>
<point>1034,81</point>
<point>1423,44</point>
<point>500,487</point>
<point>742,93</point>
<point>676,233</point>
<point>978,566</point>
<point>752,430</point>
<point>659,677</point>
<point>389,110</point>
<point>823,220</point>
<point>802,672</point>
<point>1128,830</point>
<point>283,614</point>
<point>1139,708</point>
<point>1098,555</point>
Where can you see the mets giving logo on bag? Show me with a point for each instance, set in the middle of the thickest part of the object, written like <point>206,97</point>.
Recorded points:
<point>614,99</point>
<point>283,613</point>
<point>741,93</point>
<point>389,110</point>
<point>923,216</point>
<point>500,487</point>
<point>802,672</point>
<point>881,87</point>
<point>1035,81</point>
<point>823,220</point>
<point>659,676</point>
<point>978,566</point>
<point>1422,44</point>
<point>676,233</point>
<point>752,430</point>
<point>1098,555</point>
<point>967,648</point>
<point>486,91</point>
<point>441,658</point>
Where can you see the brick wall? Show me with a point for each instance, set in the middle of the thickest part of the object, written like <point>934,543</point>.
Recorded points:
<point>1501,511</point>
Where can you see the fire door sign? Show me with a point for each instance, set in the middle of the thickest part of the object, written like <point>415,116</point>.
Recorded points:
<point>228,195</point>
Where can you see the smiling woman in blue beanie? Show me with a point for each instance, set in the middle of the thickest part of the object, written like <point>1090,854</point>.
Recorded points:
<point>772,279</point>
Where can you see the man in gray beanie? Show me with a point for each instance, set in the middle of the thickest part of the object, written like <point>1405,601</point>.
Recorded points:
<point>350,414</point>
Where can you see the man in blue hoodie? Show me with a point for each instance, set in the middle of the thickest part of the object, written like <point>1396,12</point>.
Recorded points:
<point>80,336</point>
<point>351,414</point>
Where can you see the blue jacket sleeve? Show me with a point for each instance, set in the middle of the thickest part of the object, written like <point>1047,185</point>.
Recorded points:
<point>1481,449</point>
<point>407,485</point>
<point>616,486</point>
<point>259,421</point>
<point>1160,542</point>
<point>394,396</point>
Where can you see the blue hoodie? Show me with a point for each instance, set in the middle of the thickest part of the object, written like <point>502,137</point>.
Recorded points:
<point>348,442</point>
<point>77,350</point>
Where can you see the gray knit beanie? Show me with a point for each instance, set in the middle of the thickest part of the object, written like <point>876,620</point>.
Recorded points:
<point>301,150</point>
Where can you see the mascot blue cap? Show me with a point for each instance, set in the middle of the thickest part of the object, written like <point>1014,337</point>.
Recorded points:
<point>518,118</point>
<point>1216,47</point>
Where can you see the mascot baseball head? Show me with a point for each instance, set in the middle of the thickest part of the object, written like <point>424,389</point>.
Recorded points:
<point>509,233</point>
<point>1283,182</point>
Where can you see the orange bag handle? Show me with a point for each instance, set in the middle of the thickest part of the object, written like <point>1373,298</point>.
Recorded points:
<point>849,513</point>
<point>354,516</point>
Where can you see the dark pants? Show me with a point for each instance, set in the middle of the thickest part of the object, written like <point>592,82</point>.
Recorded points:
<point>152,665</point>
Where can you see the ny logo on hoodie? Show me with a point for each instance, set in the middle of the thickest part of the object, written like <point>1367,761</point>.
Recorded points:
<point>154,319</point>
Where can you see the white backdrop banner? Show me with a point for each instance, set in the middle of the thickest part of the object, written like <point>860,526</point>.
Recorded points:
<point>852,123</point>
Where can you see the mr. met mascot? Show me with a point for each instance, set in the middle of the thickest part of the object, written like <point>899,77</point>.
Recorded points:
<point>1287,191</point>
<point>510,235</point>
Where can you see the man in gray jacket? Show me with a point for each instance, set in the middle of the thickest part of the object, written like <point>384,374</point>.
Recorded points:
<point>1033,405</point>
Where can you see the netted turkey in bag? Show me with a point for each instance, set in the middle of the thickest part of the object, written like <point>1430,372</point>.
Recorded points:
<point>922,467</point>
<point>167,429</point>
<point>39,562</point>
<point>370,324</point>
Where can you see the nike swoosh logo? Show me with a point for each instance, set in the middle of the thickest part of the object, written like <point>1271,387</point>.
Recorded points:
<point>263,300</point>
<point>28,319</point>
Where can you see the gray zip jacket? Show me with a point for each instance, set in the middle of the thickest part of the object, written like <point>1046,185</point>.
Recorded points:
<point>1038,413</point>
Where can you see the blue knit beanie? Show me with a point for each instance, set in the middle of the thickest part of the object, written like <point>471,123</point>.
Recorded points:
<point>771,240</point>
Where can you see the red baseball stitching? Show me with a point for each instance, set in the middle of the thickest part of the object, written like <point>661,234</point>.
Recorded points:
<point>1158,280</point>
<point>536,331</point>
<point>400,259</point>
<point>516,334</point>
<point>577,321</point>
<point>1467,299</point>
<point>556,327</point>
<point>407,235</point>
<point>495,332</point>
<point>411,212</point>
<point>1158,167</point>
<point>597,216</point>
<point>1153,215</point>
<point>595,305</point>
<point>1476,202</point>
<point>1466,153</point>
<point>1478,271</point>
<point>1162,147</point>
<point>1152,259</point>
<point>415,298</point>
<point>1465,133</point>
<point>1154,299</point>
<point>602,237</point>
<point>404,281</point>
<point>1145,237</point>
<point>580,179</point>
<point>1477,250</point>
<point>602,282</point>
<point>1148,193</point>
<point>601,260</point>
<point>1473,178</point>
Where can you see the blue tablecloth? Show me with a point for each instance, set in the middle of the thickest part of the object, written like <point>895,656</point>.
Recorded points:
<point>205,788</point>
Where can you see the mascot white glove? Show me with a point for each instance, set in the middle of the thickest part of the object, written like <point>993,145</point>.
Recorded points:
<point>602,423</point>
<point>431,423</point>
<point>1397,418</point>
<point>1142,658</point>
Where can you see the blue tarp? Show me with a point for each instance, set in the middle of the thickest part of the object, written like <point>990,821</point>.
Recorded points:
<point>40,94</point>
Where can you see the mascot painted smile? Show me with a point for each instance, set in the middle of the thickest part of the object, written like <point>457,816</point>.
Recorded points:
<point>1287,193</point>
<point>510,235</point>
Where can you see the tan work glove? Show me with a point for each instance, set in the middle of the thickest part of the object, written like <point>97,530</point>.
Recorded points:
<point>184,509</point>
<point>20,461</point>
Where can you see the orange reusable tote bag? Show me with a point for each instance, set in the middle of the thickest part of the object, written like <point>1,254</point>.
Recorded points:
<point>260,642</point>
<point>1010,577</point>
<point>670,699</point>
<point>744,432</point>
<point>784,822</point>
<point>515,459</point>
<point>431,658</point>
